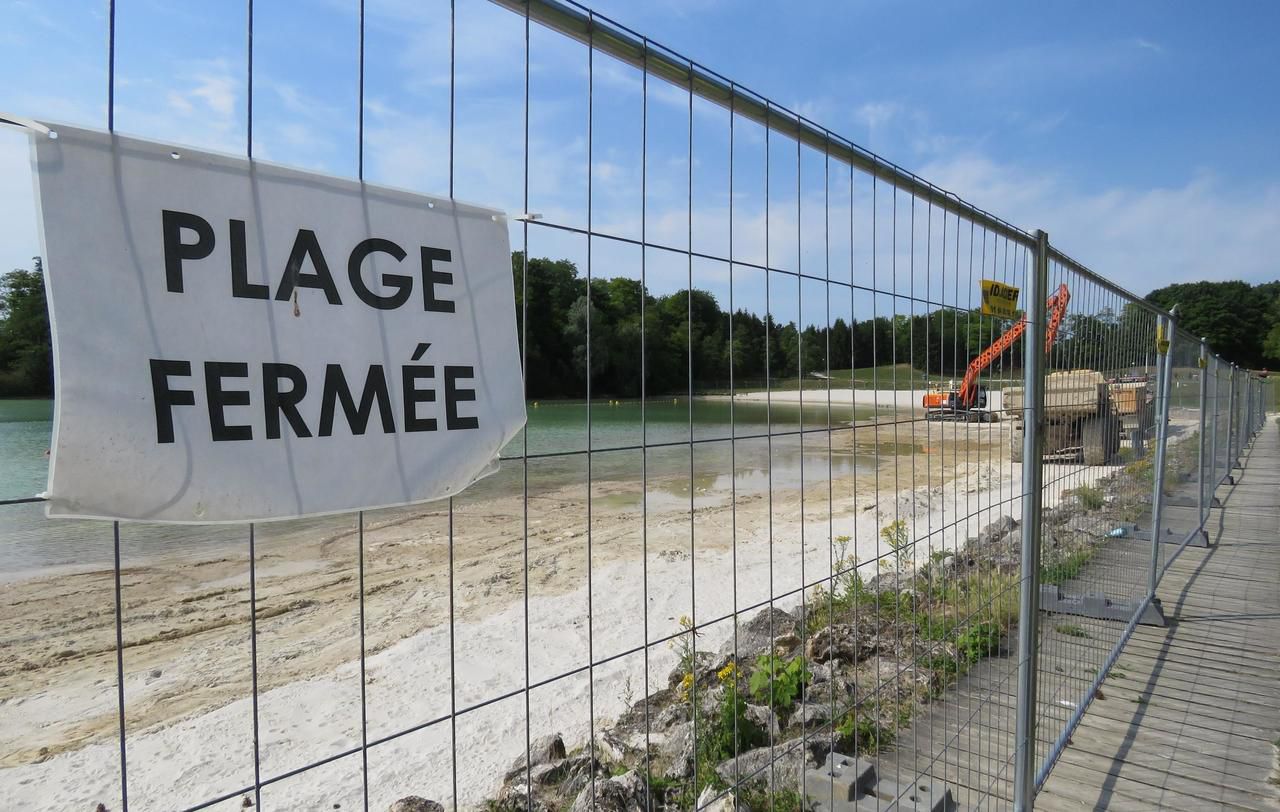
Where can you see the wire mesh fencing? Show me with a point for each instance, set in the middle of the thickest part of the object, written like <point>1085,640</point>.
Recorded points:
<point>1263,397</point>
<point>763,538</point>
<point>1101,401</point>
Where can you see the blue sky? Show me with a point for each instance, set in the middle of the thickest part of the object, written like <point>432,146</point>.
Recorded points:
<point>1141,135</point>
<point>1141,92</point>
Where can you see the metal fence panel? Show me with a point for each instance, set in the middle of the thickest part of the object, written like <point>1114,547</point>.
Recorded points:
<point>1103,398</point>
<point>767,513</point>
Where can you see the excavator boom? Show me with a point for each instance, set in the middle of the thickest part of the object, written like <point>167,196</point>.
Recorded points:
<point>1057,308</point>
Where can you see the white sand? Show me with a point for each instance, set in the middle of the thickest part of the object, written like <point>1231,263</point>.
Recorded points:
<point>210,753</point>
<point>889,399</point>
<point>171,764</point>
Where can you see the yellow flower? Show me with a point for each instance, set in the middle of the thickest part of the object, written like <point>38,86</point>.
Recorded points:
<point>727,673</point>
<point>686,685</point>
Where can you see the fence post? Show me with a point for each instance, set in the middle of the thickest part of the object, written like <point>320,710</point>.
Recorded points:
<point>1255,388</point>
<point>1032,482</point>
<point>1231,425</point>
<point>1248,409</point>
<point>1240,427</point>
<point>1249,388</point>
<point>1253,406</point>
<point>1259,419</point>
<point>1214,480</point>
<point>1244,412</point>
<point>1201,512</point>
<point>1164,387</point>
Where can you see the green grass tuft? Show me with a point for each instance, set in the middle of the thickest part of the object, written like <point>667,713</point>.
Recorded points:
<point>1070,630</point>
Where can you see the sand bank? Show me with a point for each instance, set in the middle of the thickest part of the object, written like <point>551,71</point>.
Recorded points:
<point>647,560</point>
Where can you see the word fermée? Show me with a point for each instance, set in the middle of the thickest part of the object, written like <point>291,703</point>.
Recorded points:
<point>285,387</point>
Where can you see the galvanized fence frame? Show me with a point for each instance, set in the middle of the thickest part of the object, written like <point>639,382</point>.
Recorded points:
<point>1230,406</point>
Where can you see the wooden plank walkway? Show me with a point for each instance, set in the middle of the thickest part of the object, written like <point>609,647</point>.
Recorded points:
<point>1186,718</point>
<point>1190,714</point>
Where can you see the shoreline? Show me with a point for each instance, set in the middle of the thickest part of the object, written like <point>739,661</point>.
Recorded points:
<point>901,400</point>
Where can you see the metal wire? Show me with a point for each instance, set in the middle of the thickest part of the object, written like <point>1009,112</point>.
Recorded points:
<point>524,438</point>
<point>930,509</point>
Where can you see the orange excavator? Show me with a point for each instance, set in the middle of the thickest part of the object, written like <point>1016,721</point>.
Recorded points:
<point>969,401</point>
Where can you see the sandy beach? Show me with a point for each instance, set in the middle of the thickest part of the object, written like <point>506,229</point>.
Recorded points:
<point>591,565</point>
<point>900,400</point>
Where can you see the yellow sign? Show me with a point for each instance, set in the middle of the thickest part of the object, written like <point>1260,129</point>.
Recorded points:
<point>1202,363</point>
<point>1162,342</point>
<point>999,299</point>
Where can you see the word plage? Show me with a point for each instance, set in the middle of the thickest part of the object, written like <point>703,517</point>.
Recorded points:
<point>238,341</point>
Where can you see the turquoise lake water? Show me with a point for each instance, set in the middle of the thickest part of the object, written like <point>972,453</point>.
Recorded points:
<point>553,428</point>
<point>25,427</point>
<point>557,434</point>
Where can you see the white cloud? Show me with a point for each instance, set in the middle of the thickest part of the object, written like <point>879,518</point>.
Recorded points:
<point>877,114</point>
<point>1142,238</point>
<point>293,101</point>
<point>876,117</point>
<point>815,110</point>
<point>218,91</point>
<point>203,106</point>
<point>179,103</point>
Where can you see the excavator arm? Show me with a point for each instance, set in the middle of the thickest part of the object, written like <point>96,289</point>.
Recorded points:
<point>1057,307</point>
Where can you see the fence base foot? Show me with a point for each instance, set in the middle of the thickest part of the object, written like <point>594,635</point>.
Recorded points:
<point>849,780</point>
<point>1166,538</point>
<point>1097,605</point>
<point>1197,539</point>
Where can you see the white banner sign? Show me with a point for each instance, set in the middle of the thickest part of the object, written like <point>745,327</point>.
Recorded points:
<point>238,341</point>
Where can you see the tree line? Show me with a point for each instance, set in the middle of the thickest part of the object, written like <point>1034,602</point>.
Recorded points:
<point>26,348</point>
<point>686,336</point>
<point>685,339</point>
<point>1240,321</point>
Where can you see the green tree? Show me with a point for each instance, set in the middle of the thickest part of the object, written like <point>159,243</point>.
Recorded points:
<point>26,347</point>
<point>685,335</point>
<point>553,287</point>
<point>841,345</point>
<point>1090,342</point>
<point>1271,342</point>
<point>1235,317</point>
